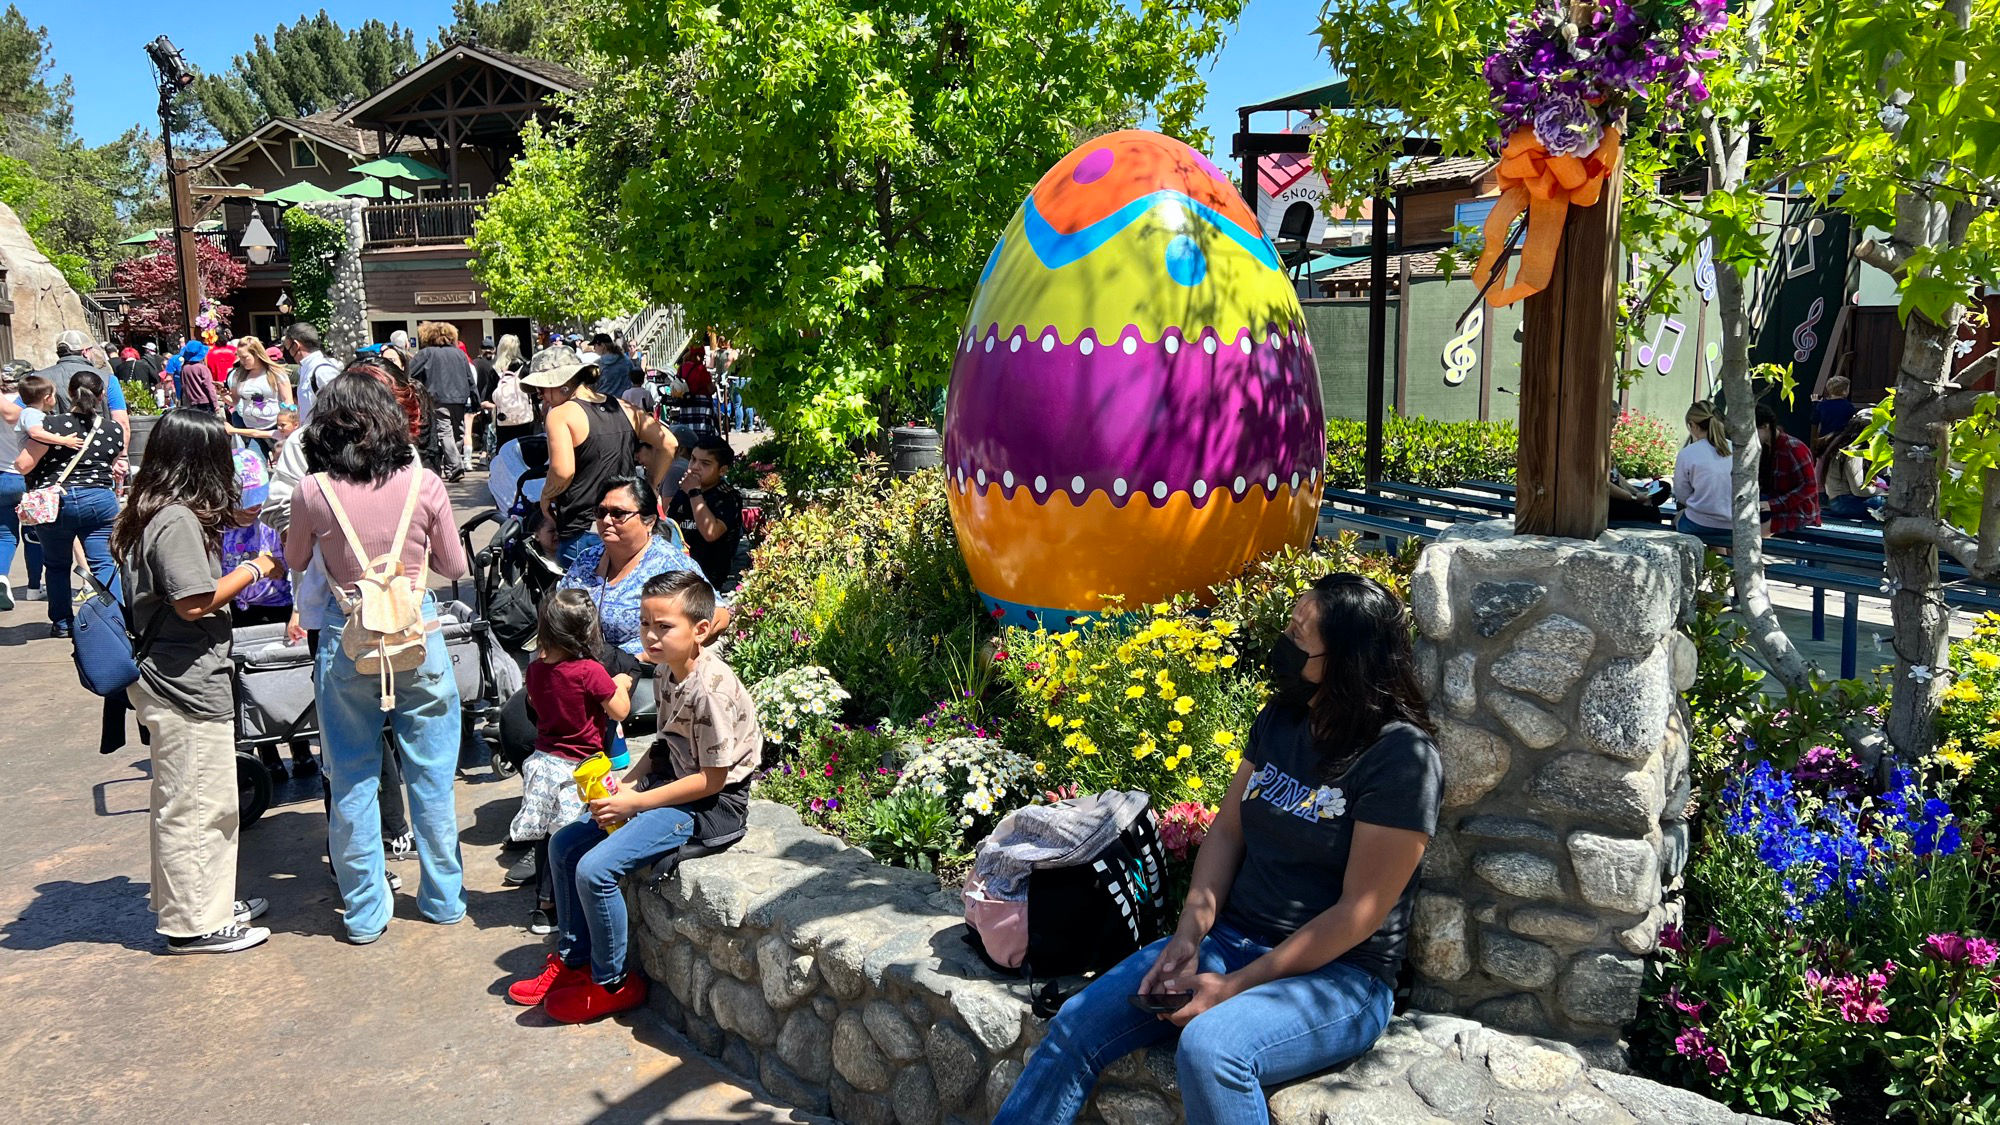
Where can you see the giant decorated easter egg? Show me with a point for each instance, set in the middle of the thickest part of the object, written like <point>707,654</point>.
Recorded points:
<point>1134,409</point>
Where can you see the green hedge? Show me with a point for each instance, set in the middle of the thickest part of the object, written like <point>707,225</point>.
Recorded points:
<point>1422,452</point>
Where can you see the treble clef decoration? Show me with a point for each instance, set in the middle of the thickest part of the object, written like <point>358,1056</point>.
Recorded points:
<point>1804,340</point>
<point>1704,269</point>
<point>1460,357</point>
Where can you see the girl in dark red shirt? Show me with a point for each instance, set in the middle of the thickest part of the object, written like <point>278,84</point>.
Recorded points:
<point>573,700</point>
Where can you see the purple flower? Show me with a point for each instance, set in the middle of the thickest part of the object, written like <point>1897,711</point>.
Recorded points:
<point>1671,938</point>
<point>1567,126</point>
<point>1949,948</point>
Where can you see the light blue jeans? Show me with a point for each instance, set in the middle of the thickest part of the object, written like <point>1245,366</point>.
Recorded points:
<point>588,862</point>
<point>427,727</point>
<point>12,487</point>
<point>568,549</point>
<point>1271,1034</point>
<point>87,515</point>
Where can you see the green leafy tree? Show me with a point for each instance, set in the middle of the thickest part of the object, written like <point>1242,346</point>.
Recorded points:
<point>1875,110</point>
<point>821,182</point>
<point>300,69</point>
<point>73,199</point>
<point>544,242</point>
<point>522,27</point>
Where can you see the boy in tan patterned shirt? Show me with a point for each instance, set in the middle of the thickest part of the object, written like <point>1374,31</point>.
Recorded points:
<point>693,784</point>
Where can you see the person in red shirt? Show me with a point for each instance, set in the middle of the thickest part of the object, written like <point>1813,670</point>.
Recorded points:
<point>221,360</point>
<point>1787,477</point>
<point>573,699</point>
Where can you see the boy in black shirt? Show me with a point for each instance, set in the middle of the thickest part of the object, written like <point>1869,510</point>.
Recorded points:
<point>709,510</point>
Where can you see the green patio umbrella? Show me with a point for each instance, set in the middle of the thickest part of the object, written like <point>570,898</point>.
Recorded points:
<point>368,187</point>
<point>399,167</point>
<point>301,192</point>
<point>147,237</point>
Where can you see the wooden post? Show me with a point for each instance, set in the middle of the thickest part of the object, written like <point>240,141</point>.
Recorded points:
<point>1566,379</point>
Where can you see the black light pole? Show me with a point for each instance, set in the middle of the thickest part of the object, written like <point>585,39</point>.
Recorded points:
<point>174,76</point>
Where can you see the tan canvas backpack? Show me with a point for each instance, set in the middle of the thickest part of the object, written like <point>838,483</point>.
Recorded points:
<point>385,630</point>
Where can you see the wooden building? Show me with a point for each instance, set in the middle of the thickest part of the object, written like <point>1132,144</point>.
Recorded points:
<point>461,113</point>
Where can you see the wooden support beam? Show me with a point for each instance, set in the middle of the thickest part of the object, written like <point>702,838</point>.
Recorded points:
<point>1567,381</point>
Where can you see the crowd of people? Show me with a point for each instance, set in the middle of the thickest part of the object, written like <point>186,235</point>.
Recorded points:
<point>1798,481</point>
<point>331,481</point>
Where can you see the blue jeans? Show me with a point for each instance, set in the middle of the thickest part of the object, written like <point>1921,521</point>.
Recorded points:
<point>568,549</point>
<point>1840,507</point>
<point>1686,526</point>
<point>86,514</point>
<point>1271,1034</point>
<point>745,418</point>
<point>427,727</point>
<point>588,863</point>
<point>12,487</point>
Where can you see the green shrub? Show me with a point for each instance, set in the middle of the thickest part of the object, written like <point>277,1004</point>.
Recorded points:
<point>870,586</point>
<point>1643,446</point>
<point>835,778</point>
<point>912,828</point>
<point>1422,451</point>
<point>1260,599</point>
<point>139,400</point>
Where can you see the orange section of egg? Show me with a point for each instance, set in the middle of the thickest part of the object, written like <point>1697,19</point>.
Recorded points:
<point>1065,555</point>
<point>1142,162</point>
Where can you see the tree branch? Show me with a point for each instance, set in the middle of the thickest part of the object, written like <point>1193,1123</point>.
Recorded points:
<point>1882,256</point>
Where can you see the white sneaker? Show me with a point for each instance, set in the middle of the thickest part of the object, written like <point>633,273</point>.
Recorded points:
<point>228,939</point>
<point>251,909</point>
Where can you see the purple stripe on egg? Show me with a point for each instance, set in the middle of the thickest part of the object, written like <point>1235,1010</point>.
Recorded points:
<point>1131,418</point>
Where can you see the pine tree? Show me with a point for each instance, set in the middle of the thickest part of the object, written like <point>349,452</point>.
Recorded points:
<point>301,69</point>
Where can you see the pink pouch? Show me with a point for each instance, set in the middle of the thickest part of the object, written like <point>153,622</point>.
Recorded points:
<point>1002,924</point>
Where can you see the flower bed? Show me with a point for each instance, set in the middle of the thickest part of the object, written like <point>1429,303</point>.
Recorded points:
<point>1835,962</point>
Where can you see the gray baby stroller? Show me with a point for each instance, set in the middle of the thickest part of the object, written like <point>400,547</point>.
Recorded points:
<point>275,703</point>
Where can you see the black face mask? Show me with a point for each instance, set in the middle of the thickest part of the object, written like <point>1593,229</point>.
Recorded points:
<point>1286,667</point>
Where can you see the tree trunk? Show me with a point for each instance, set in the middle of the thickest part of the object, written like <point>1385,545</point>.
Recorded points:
<point>1916,603</point>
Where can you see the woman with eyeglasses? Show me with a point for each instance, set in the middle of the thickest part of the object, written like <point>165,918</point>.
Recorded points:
<point>1299,914</point>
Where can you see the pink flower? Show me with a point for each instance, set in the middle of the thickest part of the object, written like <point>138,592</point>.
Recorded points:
<point>1692,1011</point>
<point>1949,948</point>
<point>1693,1043</point>
<point>1671,938</point>
<point>1981,952</point>
<point>1714,939</point>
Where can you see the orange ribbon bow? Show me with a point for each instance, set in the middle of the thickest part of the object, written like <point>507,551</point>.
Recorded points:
<point>1544,186</point>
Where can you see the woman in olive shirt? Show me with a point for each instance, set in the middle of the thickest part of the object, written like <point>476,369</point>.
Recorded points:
<point>169,543</point>
<point>1299,914</point>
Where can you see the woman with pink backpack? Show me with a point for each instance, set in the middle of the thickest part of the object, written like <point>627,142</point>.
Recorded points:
<point>382,523</point>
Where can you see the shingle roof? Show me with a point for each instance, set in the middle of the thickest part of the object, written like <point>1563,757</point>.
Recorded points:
<point>1440,171</point>
<point>1422,264</point>
<point>324,126</point>
<point>556,73</point>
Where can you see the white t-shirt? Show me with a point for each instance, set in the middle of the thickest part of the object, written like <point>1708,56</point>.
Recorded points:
<point>1701,485</point>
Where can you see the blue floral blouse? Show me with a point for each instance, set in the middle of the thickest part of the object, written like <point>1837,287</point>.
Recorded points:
<point>618,603</point>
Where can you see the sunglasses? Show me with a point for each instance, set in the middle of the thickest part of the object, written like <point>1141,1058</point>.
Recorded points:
<point>616,516</point>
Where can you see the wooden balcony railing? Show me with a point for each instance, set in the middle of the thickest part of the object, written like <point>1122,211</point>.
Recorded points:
<point>421,223</point>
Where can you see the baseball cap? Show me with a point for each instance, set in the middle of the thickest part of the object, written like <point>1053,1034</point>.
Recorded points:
<point>72,341</point>
<point>151,346</point>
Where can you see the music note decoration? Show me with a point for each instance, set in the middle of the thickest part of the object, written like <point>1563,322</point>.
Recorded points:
<point>1804,340</point>
<point>1461,357</point>
<point>1704,269</point>
<point>1650,354</point>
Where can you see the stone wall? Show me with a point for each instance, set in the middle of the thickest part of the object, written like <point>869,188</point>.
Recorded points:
<point>349,327</point>
<point>845,987</point>
<point>44,304</point>
<point>1554,667</point>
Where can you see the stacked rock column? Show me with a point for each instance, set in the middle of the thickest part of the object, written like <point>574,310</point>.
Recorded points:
<point>349,327</point>
<point>1554,668</point>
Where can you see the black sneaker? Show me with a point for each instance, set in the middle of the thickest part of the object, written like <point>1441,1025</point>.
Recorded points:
<point>228,939</point>
<point>251,909</point>
<point>522,872</point>
<point>6,595</point>
<point>541,922</point>
<point>59,630</point>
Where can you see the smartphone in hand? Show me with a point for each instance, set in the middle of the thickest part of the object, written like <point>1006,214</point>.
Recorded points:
<point>1161,1003</point>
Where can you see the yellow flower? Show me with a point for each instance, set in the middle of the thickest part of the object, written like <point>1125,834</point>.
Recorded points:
<point>1145,748</point>
<point>1168,693</point>
<point>1173,726</point>
<point>1173,762</point>
<point>1134,692</point>
<point>1088,748</point>
<point>1205,665</point>
<point>1137,673</point>
<point>1161,678</point>
<point>1224,738</point>
<point>1227,660</point>
<point>1083,697</point>
<point>1075,723</point>
<point>1990,740</point>
<point>1056,721</point>
<point>1184,750</point>
<point>1233,757</point>
<point>1183,705</point>
<point>1211,643</point>
<point>1071,739</point>
<point>1957,757</point>
<point>1194,781</point>
<point>1987,661</point>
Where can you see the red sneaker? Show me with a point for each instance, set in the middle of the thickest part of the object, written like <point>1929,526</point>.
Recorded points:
<point>554,975</point>
<point>590,1000</point>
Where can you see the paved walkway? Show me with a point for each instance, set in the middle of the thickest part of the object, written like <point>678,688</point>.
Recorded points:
<point>99,1025</point>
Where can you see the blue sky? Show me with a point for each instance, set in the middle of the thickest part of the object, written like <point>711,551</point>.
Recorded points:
<point>101,44</point>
